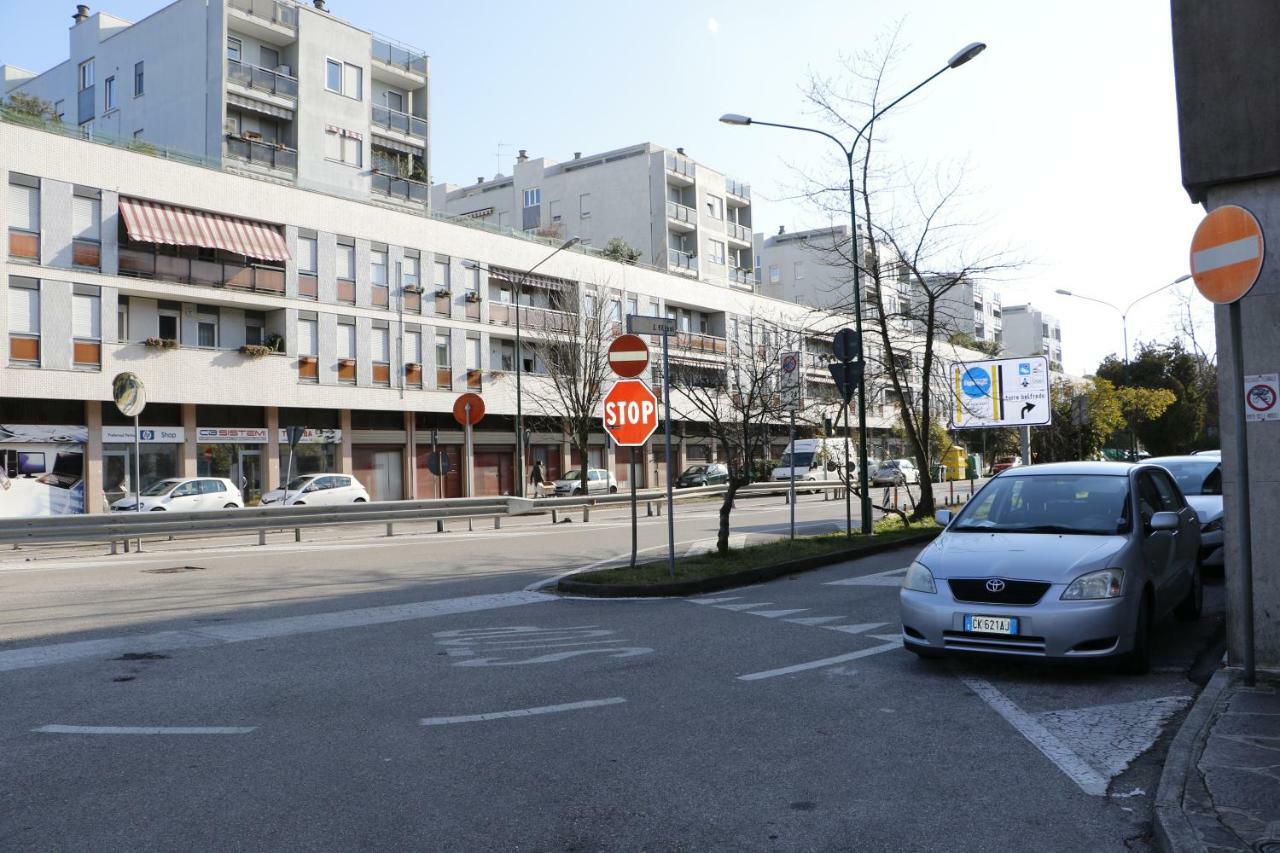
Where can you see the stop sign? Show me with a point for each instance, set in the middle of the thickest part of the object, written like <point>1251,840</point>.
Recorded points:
<point>630,412</point>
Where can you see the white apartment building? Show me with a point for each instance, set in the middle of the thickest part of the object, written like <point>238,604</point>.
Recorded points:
<point>247,306</point>
<point>972,308</point>
<point>681,215</point>
<point>279,90</point>
<point>802,267</point>
<point>1030,331</point>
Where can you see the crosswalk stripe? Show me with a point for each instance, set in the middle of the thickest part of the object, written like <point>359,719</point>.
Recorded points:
<point>856,629</point>
<point>712,600</point>
<point>814,620</point>
<point>774,614</point>
<point>741,607</point>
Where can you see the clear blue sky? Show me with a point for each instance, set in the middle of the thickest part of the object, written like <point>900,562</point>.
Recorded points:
<point>1066,123</point>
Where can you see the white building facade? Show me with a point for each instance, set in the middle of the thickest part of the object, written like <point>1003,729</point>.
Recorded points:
<point>1030,331</point>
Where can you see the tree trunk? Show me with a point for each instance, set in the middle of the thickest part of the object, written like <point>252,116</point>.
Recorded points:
<point>726,507</point>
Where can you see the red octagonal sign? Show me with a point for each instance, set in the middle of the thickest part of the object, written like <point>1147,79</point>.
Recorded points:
<point>630,412</point>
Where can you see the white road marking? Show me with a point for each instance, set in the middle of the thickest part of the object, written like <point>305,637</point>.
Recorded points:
<point>815,620</point>
<point>522,712</point>
<point>706,546</point>
<point>818,664</point>
<point>240,632</point>
<point>1110,737</point>
<point>856,629</point>
<point>145,730</point>
<point>892,577</point>
<point>1077,769</point>
<point>712,600</point>
<point>886,637</point>
<point>774,614</point>
<point>741,607</point>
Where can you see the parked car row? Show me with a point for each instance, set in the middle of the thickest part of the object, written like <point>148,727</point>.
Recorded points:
<point>198,494</point>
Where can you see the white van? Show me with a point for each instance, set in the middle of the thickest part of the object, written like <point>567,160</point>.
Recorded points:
<point>813,459</point>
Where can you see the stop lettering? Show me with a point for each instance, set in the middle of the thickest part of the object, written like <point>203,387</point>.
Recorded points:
<point>630,413</point>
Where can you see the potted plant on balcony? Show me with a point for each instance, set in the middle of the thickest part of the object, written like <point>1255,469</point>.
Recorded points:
<point>255,350</point>
<point>443,293</point>
<point>161,343</point>
<point>473,296</point>
<point>275,342</point>
<point>415,289</point>
<point>413,372</point>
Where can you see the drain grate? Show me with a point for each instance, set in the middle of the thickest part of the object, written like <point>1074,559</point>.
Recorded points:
<point>173,570</point>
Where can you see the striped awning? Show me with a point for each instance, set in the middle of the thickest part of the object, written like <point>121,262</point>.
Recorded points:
<point>153,222</point>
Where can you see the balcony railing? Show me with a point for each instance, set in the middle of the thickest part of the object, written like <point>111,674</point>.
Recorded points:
<point>262,79</point>
<point>264,154</point>
<point>533,319</point>
<point>682,212</point>
<point>139,263</point>
<point>740,189</point>
<point>680,165</point>
<point>271,11</point>
<point>401,188</point>
<point>737,232</point>
<point>24,245</point>
<point>399,56</point>
<point>409,125</point>
<point>738,276</point>
<point>698,342</point>
<point>681,260</point>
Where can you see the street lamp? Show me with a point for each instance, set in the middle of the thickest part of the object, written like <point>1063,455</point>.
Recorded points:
<point>1124,328</point>
<point>518,286</point>
<point>965,54</point>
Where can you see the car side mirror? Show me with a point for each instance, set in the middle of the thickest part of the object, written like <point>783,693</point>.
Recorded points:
<point>1163,521</point>
<point>943,517</point>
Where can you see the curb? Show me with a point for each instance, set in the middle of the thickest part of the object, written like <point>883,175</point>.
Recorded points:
<point>743,578</point>
<point>1174,832</point>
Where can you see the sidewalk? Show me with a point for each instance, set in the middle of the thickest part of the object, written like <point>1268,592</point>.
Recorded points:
<point>1220,789</point>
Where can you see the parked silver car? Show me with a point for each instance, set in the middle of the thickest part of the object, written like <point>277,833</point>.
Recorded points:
<point>1067,560</point>
<point>1200,478</point>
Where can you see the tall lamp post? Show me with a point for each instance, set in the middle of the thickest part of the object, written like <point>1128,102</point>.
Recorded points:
<point>518,287</point>
<point>960,58</point>
<point>1124,329</point>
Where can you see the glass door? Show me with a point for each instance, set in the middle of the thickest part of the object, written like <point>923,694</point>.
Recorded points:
<point>117,475</point>
<point>247,475</point>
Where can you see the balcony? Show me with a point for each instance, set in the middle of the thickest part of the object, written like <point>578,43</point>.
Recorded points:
<point>682,261</point>
<point>680,170</point>
<point>401,189</point>
<point>685,217</point>
<point>139,263</point>
<point>266,155</point>
<point>738,190</point>
<point>398,63</point>
<point>271,21</point>
<point>402,123</point>
<point>734,231</point>
<point>743,277</point>
<point>262,81</point>
<point>531,319</point>
<point>700,343</point>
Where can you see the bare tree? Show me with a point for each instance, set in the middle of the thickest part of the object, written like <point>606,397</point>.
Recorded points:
<point>571,346</point>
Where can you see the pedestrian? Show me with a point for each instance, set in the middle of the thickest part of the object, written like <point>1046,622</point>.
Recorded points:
<point>535,476</point>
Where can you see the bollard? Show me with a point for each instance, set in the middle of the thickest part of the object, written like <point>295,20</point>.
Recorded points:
<point>391,529</point>
<point>471,524</point>
<point>586,513</point>
<point>555,516</point>
<point>497,522</point>
<point>951,484</point>
<point>439,525</point>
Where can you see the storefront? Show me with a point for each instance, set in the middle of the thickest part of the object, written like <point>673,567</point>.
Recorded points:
<point>380,468</point>
<point>316,453</point>
<point>430,486</point>
<point>236,453</point>
<point>161,456</point>
<point>41,469</point>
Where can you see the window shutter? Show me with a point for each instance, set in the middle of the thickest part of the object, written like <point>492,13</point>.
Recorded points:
<point>380,343</point>
<point>24,310</point>
<point>346,261</point>
<point>413,347</point>
<point>307,254</point>
<point>86,216</point>
<point>351,85</point>
<point>24,207</point>
<point>308,337</point>
<point>86,316</point>
<point>346,341</point>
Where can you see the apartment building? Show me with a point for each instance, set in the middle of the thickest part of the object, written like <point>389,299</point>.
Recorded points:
<point>247,306</point>
<point>1030,331</point>
<point>282,91</point>
<point>803,267</point>
<point>681,215</point>
<point>974,309</point>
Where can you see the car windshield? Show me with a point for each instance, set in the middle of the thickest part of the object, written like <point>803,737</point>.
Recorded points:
<point>1095,504</point>
<point>1195,476</point>
<point>298,483</point>
<point>696,469</point>
<point>888,466</point>
<point>160,488</point>
<point>572,475</point>
<point>802,459</point>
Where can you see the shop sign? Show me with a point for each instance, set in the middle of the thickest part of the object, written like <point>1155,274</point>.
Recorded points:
<point>146,435</point>
<point>42,434</point>
<point>231,435</point>
<point>315,436</point>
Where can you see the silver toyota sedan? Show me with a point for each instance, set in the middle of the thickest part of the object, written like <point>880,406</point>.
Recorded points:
<point>1067,560</point>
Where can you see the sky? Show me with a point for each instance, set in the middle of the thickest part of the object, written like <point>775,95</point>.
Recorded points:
<point>1066,126</point>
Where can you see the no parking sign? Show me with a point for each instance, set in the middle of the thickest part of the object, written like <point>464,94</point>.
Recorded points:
<point>1261,397</point>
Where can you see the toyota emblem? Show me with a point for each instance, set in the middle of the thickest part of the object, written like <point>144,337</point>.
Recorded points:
<point>995,585</point>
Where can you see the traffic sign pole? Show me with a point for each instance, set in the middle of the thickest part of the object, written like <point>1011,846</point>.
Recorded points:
<point>666,403</point>
<point>471,466</point>
<point>137,470</point>
<point>792,490</point>
<point>1242,489</point>
<point>848,499</point>
<point>634,532</point>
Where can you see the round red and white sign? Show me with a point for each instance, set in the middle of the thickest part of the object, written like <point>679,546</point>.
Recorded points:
<point>629,356</point>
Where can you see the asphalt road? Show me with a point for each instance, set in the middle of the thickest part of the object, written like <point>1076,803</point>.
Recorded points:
<point>413,695</point>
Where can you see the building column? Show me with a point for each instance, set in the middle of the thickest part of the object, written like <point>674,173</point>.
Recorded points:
<point>189,467</point>
<point>566,450</point>
<point>93,457</point>
<point>345,465</point>
<point>410,470</point>
<point>272,420</point>
<point>610,457</point>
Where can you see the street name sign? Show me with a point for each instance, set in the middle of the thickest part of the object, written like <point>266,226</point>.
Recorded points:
<point>641,324</point>
<point>1004,392</point>
<point>629,356</point>
<point>1226,254</point>
<point>630,412</point>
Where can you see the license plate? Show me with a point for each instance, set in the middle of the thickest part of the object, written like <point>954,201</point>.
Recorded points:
<point>991,624</point>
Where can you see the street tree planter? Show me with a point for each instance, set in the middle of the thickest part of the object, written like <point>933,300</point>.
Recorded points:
<point>161,343</point>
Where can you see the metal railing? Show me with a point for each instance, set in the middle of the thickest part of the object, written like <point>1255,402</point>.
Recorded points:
<point>739,188</point>
<point>410,125</point>
<point>699,342</point>
<point>531,318</point>
<point>261,153</point>
<point>399,56</point>
<point>402,188</point>
<point>741,276</point>
<point>138,263</point>
<point>271,11</point>
<point>681,260</point>
<point>737,232</point>
<point>261,79</point>
<point>682,212</point>
<point>680,165</point>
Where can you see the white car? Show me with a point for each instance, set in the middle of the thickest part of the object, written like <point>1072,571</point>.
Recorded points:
<point>599,481</point>
<point>895,472</point>
<point>318,490</point>
<point>184,494</point>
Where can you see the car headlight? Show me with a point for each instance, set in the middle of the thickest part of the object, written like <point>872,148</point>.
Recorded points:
<point>919,578</point>
<point>1212,527</point>
<point>1095,585</point>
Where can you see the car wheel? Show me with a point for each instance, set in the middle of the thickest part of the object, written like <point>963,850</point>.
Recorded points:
<point>157,509</point>
<point>1188,610</point>
<point>613,490</point>
<point>577,491</point>
<point>298,503</point>
<point>359,501</point>
<point>230,506</point>
<point>1138,660</point>
<point>922,652</point>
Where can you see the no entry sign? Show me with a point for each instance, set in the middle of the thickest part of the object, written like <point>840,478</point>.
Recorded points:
<point>630,412</point>
<point>1226,254</point>
<point>468,406</point>
<point>629,356</point>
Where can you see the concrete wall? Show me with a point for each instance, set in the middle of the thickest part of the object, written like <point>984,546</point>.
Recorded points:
<point>321,37</point>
